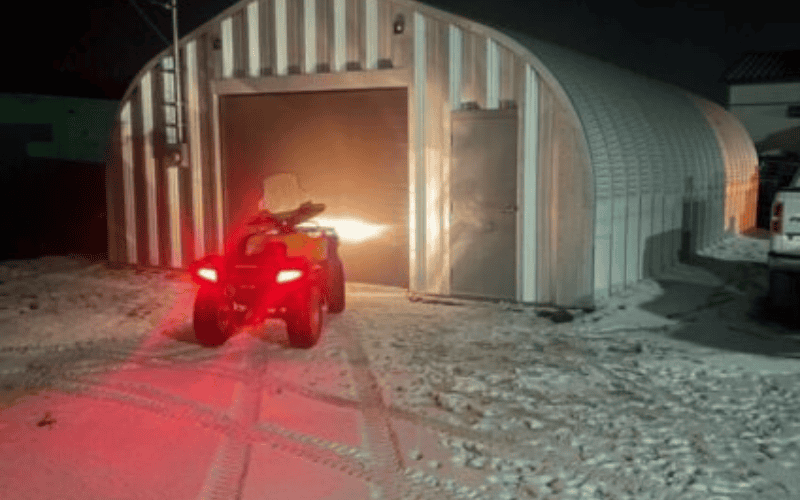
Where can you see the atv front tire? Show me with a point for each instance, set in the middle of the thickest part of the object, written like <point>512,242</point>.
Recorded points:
<point>336,287</point>
<point>304,321</point>
<point>213,323</point>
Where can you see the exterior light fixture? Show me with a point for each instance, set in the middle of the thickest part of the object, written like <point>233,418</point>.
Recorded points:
<point>178,156</point>
<point>399,24</point>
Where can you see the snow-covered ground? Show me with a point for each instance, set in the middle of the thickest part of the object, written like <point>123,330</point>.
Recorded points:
<point>683,386</point>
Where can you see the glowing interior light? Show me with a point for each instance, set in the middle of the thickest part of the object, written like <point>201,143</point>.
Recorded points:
<point>352,230</point>
<point>288,275</point>
<point>207,273</point>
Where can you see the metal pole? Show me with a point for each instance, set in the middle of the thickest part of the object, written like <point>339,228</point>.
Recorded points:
<point>178,99</point>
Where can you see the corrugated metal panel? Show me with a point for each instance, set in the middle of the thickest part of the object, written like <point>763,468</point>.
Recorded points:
<point>310,31</point>
<point>456,66</point>
<point>295,41</point>
<point>281,38</point>
<point>151,188</point>
<point>174,195</point>
<point>324,35</point>
<point>417,169</point>
<point>339,35</point>
<point>473,79</point>
<point>530,126</point>
<point>196,157</point>
<point>126,132</point>
<point>645,143</point>
<point>354,28</point>
<point>371,33</point>
<point>740,181</point>
<point>545,188</point>
<point>492,75</point>
<point>253,41</point>
<point>436,103</point>
<point>218,188</point>
<point>227,48</point>
<point>613,105</point>
<point>510,76</point>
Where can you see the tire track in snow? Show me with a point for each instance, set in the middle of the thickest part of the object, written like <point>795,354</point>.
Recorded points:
<point>169,406</point>
<point>384,449</point>
<point>394,480</point>
<point>228,470</point>
<point>78,369</point>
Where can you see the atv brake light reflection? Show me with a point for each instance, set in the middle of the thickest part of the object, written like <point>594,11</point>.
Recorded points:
<point>288,275</point>
<point>352,230</point>
<point>207,273</point>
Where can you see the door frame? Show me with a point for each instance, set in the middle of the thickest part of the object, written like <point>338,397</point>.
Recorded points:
<point>512,115</point>
<point>385,78</point>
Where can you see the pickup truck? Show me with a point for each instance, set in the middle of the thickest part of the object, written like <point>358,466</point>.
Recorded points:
<point>784,249</point>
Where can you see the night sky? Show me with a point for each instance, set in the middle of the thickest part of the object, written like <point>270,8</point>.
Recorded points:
<point>94,48</point>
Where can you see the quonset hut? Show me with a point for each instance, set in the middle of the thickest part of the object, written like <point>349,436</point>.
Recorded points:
<point>491,164</point>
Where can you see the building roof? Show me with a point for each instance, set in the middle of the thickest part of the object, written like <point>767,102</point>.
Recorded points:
<point>764,67</point>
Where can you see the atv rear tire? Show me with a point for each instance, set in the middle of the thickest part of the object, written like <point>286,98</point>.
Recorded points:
<point>304,321</point>
<point>336,287</point>
<point>213,323</point>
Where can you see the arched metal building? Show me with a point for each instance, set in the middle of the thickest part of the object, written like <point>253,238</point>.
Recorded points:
<point>498,165</point>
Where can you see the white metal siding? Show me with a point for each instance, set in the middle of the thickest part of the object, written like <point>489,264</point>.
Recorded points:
<point>196,158</point>
<point>639,130</point>
<point>253,41</point>
<point>310,27</point>
<point>646,140</point>
<point>126,136</point>
<point>150,168</point>
<point>492,75</point>
<point>281,36</point>
<point>417,168</point>
<point>174,197</point>
<point>371,20</point>
<point>528,214</point>
<point>339,35</point>
<point>218,178</point>
<point>227,48</point>
<point>738,181</point>
<point>456,65</point>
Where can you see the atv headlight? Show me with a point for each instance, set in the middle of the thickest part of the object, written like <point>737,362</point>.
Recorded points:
<point>288,275</point>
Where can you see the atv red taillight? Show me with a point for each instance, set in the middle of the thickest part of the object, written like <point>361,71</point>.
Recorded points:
<point>206,270</point>
<point>208,274</point>
<point>776,221</point>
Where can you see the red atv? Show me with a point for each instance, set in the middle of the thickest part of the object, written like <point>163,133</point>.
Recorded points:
<point>278,268</point>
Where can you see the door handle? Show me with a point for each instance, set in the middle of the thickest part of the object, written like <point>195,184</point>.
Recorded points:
<point>508,209</point>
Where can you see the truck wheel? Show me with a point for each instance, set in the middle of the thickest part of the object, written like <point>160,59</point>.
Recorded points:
<point>781,290</point>
<point>304,322</point>
<point>213,323</point>
<point>336,288</point>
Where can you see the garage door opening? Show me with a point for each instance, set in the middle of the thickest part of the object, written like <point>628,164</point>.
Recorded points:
<point>347,149</point>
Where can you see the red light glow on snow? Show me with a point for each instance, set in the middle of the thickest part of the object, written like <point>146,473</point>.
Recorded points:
<point>155,427</point>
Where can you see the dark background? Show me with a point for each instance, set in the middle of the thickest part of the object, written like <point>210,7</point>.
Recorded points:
<point>95,48</point>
